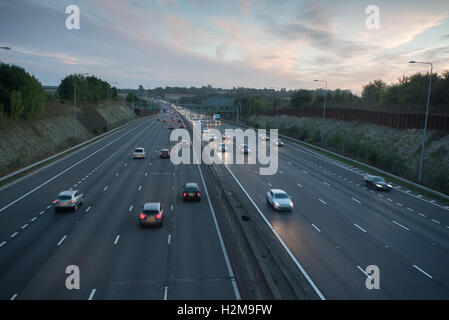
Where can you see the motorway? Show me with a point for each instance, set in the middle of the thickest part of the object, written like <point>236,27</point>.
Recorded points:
<point>185,259</point>
<point>338,227</point>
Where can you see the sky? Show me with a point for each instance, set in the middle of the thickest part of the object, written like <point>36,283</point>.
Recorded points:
<point>226,43</point>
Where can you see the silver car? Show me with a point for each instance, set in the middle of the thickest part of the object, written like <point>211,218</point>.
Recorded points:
<point>279,200</point>
<point>71,199</point>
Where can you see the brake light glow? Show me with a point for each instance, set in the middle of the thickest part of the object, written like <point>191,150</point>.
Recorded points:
<point>72,201</point>
<point>198,194</point>
<point>158,216</point>
<point>142,216</point>
<point>185,194</point>
<point>54,202</point>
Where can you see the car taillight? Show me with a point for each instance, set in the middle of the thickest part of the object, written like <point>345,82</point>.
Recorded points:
<point>54,202</point>
<point>142,216</point>
<point>72,201</point>
<point>198,194</point>
<point>158,216</point>
<point>185,194</point>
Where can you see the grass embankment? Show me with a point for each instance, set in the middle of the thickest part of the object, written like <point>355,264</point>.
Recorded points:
<point>23,142</point>
<point>395,151</point>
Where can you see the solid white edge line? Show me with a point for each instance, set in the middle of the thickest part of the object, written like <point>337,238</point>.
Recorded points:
<point>223,248</point>
<point>318,292</point>
<point>92,294</point>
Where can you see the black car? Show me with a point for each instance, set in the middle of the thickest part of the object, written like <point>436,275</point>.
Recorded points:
<point>191,192</point>
<point>165,153</point>
<point>376,183</point>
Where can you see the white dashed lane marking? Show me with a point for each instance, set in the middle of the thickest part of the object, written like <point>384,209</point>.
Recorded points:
<point>400,225</point>
<point>60,241</point>
<point>359,227</point>
<point>422,271</point>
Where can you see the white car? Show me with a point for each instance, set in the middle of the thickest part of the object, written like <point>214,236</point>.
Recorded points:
<point>139,153</point>
<point>279,200</point>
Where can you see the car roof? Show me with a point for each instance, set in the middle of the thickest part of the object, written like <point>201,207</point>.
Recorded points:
<point>67,193</point>
<point>152,206</point>
<point>138,148</point>
<point>191,185</point>
<point>163,150</point>
<point>278,191</point>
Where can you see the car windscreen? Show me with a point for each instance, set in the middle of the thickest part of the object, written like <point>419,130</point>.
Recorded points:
<point>138,151</point>
<point>378,179</point>
<point>64,198</point>
<point>151,212</point>
<point>191,189</point>
<point>280,195</point>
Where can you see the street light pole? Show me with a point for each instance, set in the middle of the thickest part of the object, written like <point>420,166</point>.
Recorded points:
<point>324,110</point>
<point>425,120</point>
<point>74,105</point>
<point>277,105</point>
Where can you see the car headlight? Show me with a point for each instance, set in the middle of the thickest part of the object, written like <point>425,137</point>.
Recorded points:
<point>378,185</point>
<point>276,205</point>
<point>291,204</point>
<point>389,185</point>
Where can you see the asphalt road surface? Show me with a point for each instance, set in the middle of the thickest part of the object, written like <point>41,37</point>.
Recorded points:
<point>338,227</point>
<point>117,259</point>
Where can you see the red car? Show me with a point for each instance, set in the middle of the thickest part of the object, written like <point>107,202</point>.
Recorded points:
<point>164,121</point>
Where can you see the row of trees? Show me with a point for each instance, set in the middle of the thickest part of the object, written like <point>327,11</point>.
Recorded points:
<point>21,94</point>
<point>410,90</point>
<point>309,98</point>
<point>88,89</point>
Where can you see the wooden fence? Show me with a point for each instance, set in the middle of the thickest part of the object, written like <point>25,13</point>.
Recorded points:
<point>397,120</point>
